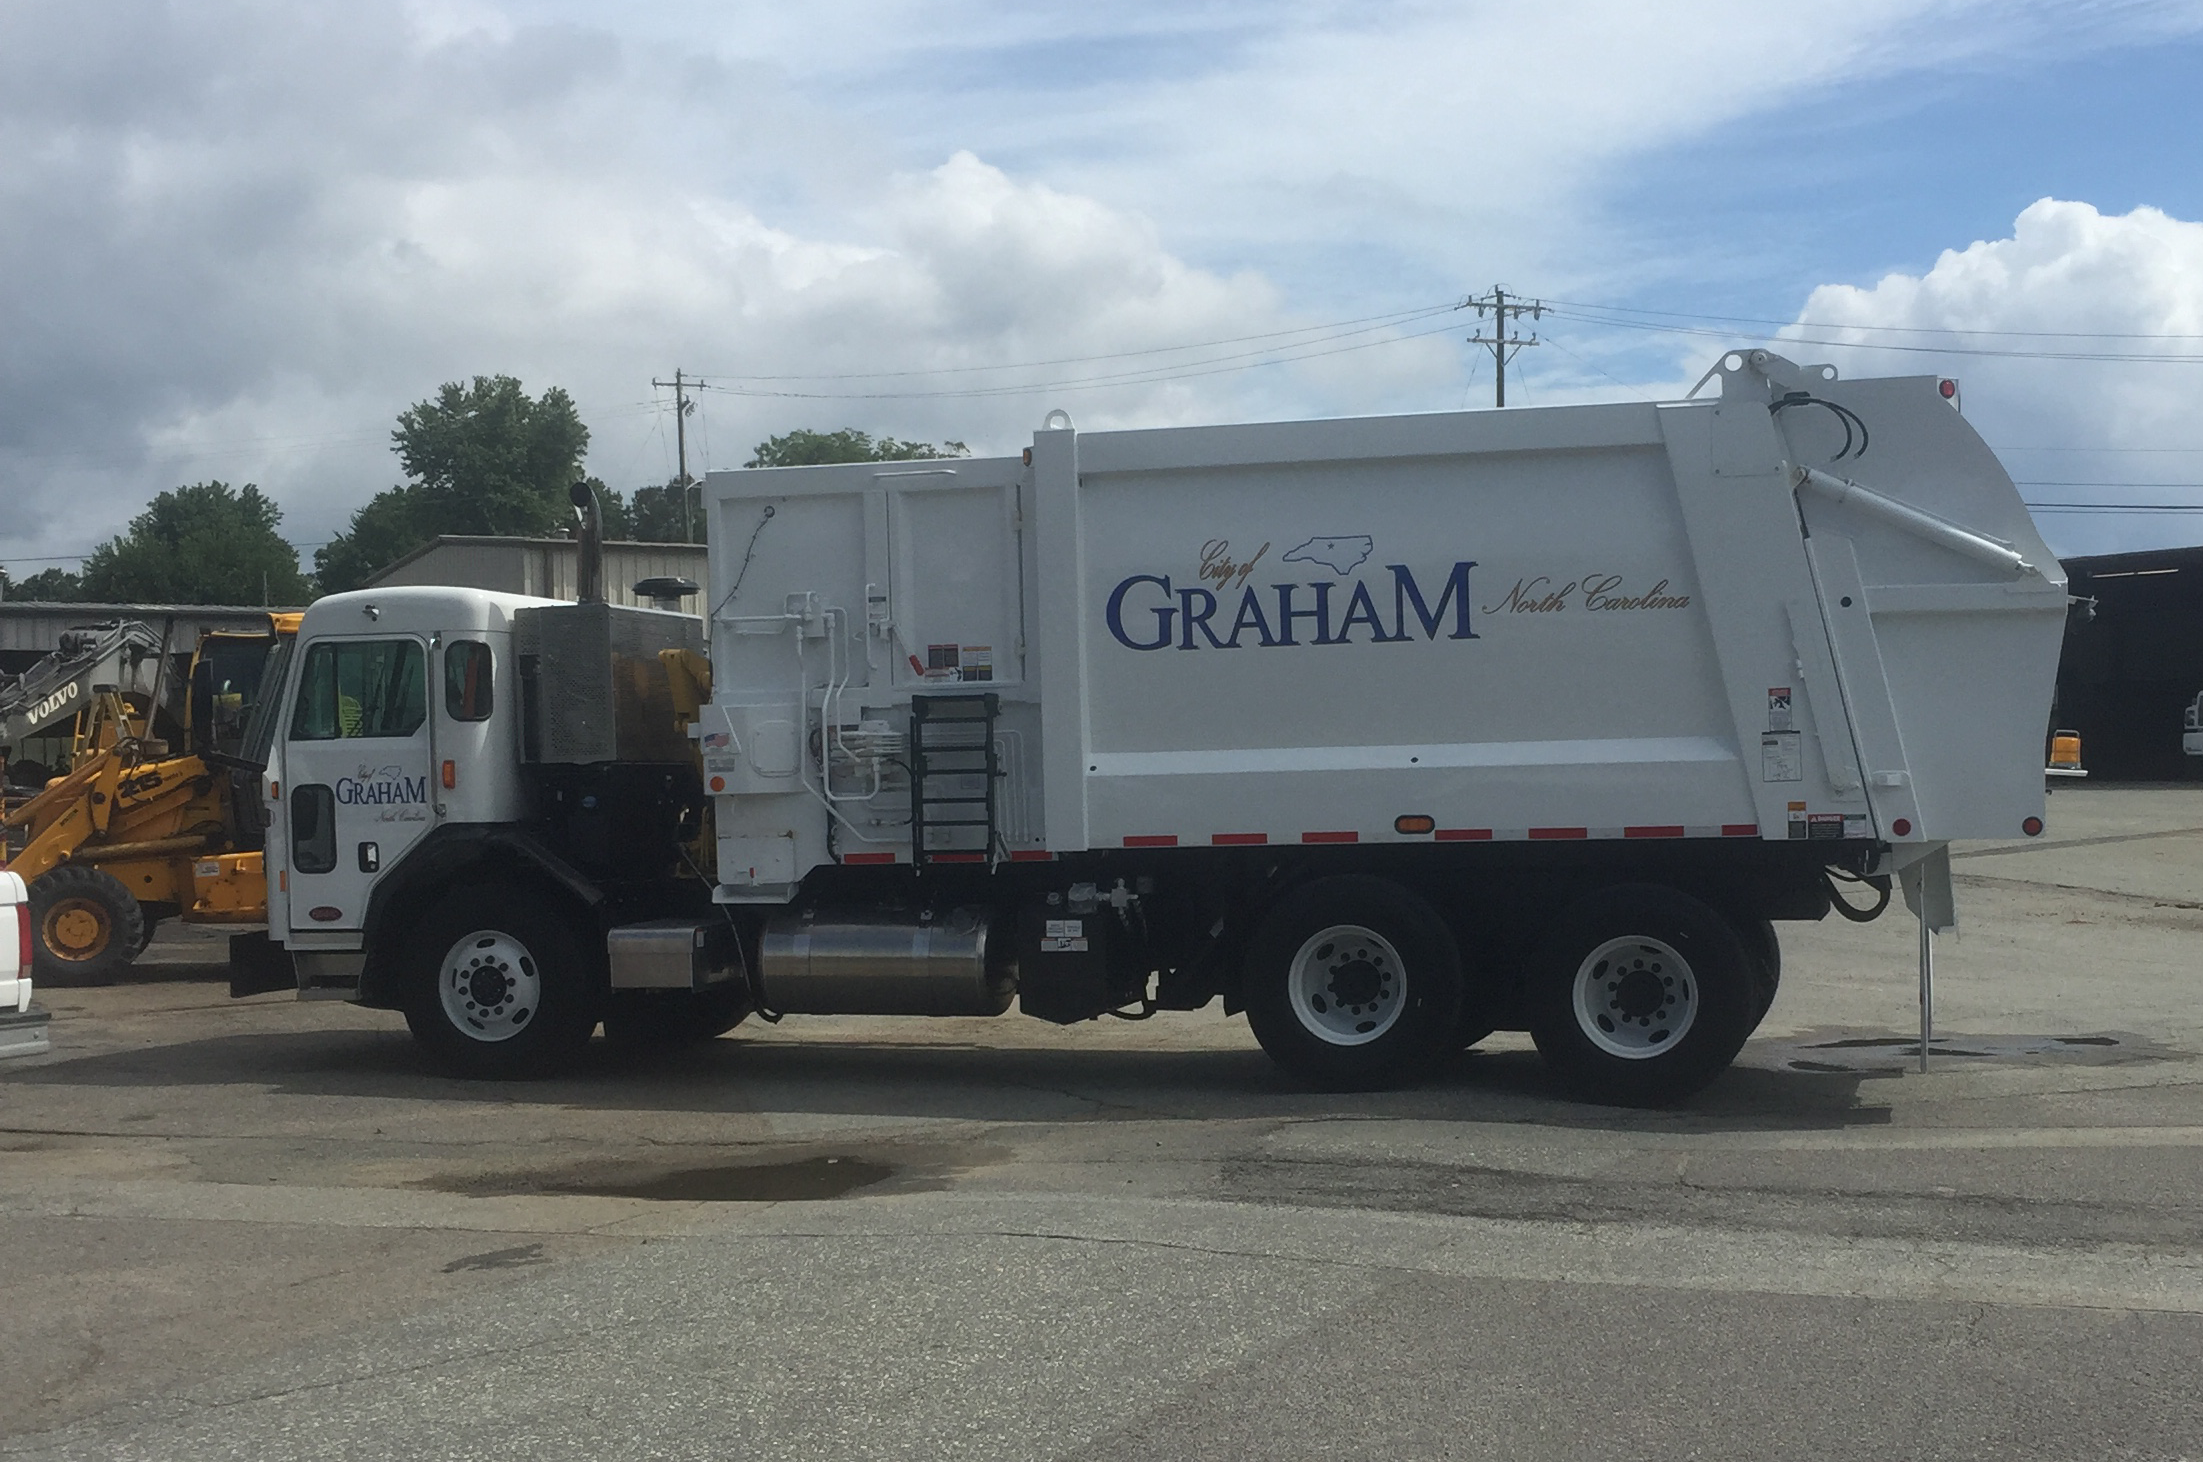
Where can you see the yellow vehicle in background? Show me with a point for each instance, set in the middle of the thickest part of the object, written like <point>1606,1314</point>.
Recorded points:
<point>135,831</point>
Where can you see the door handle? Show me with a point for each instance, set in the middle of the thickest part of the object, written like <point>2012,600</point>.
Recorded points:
<point>370,858</point>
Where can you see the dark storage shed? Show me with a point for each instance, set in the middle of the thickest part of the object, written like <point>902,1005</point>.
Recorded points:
<point>2132,667</point>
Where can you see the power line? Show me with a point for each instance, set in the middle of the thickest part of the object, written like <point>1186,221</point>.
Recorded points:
<point>2116,507</point>
<point>1406,316</point>
<point>1154,375</point>
<point>1897,329</point>
<point>1702,332</point>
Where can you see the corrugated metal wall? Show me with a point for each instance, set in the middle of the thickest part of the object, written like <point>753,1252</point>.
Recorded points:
<point>547,567</point>
<point>34,629</point>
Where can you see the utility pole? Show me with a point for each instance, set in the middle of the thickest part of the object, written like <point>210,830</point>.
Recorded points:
<point>1502,345</point>
<point>682,406</point>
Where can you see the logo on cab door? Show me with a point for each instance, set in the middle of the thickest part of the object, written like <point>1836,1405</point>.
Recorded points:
<point>381,787</point>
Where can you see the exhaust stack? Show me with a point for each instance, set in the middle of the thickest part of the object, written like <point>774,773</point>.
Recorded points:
<point>589,578</point>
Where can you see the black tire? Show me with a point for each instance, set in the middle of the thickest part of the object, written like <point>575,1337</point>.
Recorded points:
<point>86,926</point>
<point>145,935</point>
<point>1680,993</point>
<point>1397,952</point>
<point>519,980</point>
<point>644,1021</point>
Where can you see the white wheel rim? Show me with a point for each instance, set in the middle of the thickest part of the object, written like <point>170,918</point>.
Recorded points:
<point>1635,998</point>
<point>1347,985</point>
<point>490,986</point>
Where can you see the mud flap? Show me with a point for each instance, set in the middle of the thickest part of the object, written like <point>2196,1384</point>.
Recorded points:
<point>1926,879</point>
<point>257,964</point>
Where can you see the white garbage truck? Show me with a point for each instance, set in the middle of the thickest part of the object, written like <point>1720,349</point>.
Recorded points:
<point>1389,732</point>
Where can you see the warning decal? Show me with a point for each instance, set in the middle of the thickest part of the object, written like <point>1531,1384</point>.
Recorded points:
<point>1781,758</point>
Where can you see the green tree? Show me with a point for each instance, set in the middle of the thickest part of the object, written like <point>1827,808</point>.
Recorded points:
<point>47,586</point>
<point>802,448</point>
<point>483,458</point>
<point>208,543</point>
<point>657,518</point>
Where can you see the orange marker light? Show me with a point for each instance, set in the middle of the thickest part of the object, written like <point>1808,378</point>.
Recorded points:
<point>1413,822</point>
<point>451,775</point>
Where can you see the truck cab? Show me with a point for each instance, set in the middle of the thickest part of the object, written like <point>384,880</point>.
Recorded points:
<point>466,791</point>
<point>399,713</point>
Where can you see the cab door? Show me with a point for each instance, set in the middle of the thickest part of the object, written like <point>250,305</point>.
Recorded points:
<point>356,760</point>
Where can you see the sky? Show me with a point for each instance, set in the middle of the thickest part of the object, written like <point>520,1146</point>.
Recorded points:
<point>237,239</point>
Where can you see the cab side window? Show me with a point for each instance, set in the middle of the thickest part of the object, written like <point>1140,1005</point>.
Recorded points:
<point>361,689</point>
<point>467,681</point>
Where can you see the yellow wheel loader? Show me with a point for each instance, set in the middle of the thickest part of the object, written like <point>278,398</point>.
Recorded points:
<point>133,832</point>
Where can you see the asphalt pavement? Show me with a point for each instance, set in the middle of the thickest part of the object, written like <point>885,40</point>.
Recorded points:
<point>260,1229</point>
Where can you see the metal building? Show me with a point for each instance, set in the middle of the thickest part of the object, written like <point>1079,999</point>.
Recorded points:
<point>30,629</point>
<point>547,568</point>
<point>2133,661</point>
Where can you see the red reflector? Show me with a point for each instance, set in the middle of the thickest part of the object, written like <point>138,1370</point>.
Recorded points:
<point>2032,827</point>
<point>23,939</point>
<point>718,784</point>
<point>451,775</point>
<point>868,857</point>
<point>1902,827</point>
<point>326,915</point>
<point>1541,833</point>
<point>1237,840</point>
<point>1740,829</point>
<point>1463,835</point>
<point>1948,388</point>
<point>1330,837</point>
<point>1031,855</point>
<point>1152,840</point>
<point>1652,832</point>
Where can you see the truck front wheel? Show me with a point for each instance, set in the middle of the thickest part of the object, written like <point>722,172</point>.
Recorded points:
<point>1641,995</point>
<point>1353,984</point>
<point>498,986</point>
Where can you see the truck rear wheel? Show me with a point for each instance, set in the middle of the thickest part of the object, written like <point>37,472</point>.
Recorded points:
<point>1641,995</point>
<point>88,926</point>
<point>497,985</point>
<point>1354,983</point>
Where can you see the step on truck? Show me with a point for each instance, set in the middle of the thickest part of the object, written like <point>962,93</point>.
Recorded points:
<point>1388,732</point>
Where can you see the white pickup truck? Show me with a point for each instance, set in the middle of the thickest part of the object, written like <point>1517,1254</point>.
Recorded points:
<point>22,1029</point>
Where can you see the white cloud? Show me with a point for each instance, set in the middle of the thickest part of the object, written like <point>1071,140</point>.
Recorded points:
<point>252,285</point>
<point>2068,281</point>
<point>237,238</point>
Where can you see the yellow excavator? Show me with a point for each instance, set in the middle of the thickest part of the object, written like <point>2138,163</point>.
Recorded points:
<point>135,831</point>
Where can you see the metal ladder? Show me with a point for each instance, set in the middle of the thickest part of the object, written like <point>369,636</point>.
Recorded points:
<point>953,771</point>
